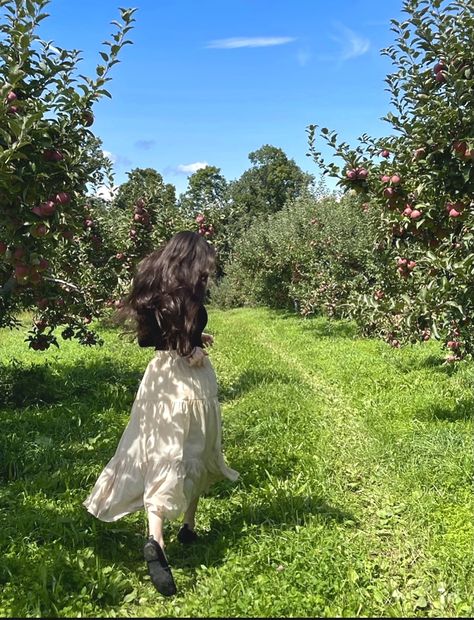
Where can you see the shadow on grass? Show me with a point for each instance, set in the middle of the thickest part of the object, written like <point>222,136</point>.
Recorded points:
<point>51,413</point>
<point>250,379</point>
<point>23,385</point>
<point>461,410</point>
<point>266,518</point>
<point>438,364</point>
<point>322,327</point>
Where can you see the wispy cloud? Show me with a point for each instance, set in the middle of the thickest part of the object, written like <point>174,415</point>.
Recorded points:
<point>190,168</point>
<point>236,42</point>
<point>352,44</point>
<point>119,161</point>
<point>145,145</point>
<point>303,57</point>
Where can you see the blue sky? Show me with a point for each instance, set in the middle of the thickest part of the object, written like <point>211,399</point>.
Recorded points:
<point>208,82</point>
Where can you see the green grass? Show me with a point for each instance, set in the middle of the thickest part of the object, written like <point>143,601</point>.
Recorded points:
<point>355,495</point>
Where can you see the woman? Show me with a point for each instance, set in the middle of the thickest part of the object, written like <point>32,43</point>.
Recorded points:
<point>170,452</point>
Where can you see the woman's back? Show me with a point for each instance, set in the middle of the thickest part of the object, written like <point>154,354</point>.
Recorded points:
<point>152,335</point>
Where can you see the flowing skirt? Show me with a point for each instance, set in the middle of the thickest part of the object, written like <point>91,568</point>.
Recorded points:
<point>170,452</point>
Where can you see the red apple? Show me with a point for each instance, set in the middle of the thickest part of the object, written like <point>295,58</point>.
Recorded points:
<point>351,175</point>
<point>40,324</point>
<point>67,234</point>
<point>200,218</point>
<point>52,155</point>
<point>42,303</point>
<point>21,271</point>
<point>419,153</point>
<point>56,155</point>
<point>395,179</point>
<point>47,208</point>
<point>460,147</point>
<point>361,173</point>
<point>43,264</point>
<point>385,178</point>
<point>415,214</point>
<point>385,153</point>
<point>411,265</point>
<point>440,76</point>
<point>18,253</point>
<point>401,262</point>
<point>13,109</point>
<point>407,211</point>
<point>62,198</point>
<point>11,97</point>
<point>87,118</point>
<point>39,230</point>
<point>35,276</point>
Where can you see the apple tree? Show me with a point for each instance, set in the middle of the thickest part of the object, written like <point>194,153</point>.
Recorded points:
<point>142,216</point>
<point>421,180</point>
<point>49,159</point>
<point>206,204</point>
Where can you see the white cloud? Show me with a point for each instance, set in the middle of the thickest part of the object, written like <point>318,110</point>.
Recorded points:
<point>191,168</point>
<point>353,45</point>
<point>106,192</point>
<point>118,161</point>
<point>236,42</point>
<point>109,155</point>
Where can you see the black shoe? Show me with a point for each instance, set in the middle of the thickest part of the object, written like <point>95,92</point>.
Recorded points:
<point>186,536</point>
<point>158,568</point>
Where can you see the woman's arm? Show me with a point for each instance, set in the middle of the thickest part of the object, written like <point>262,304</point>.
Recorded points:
<point>207,339</point>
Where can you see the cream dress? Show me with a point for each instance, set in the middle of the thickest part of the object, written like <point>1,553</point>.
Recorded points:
<point>170,451</point>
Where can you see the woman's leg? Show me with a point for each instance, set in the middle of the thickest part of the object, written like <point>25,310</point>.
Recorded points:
<point>158,567</point>
<point>155,527</point>
<point>190,514</point>
<point>186,534</point>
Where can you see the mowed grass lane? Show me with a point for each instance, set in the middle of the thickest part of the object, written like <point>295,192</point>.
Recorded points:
<point>355,496</point>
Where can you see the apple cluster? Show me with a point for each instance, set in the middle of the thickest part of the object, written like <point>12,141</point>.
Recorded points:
<point>357,174</point>
<point>405,266</point>
<point>206,230</point>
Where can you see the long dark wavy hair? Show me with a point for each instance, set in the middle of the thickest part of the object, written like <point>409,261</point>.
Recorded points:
<point>168,288</point>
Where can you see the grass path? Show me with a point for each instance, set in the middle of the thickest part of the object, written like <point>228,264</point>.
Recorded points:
<point>355,495</point>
